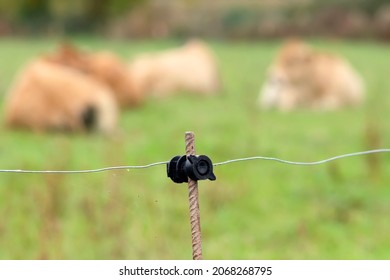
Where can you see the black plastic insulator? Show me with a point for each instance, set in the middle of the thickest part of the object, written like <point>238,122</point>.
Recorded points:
<point>175,169</point>
<point>180,168</point>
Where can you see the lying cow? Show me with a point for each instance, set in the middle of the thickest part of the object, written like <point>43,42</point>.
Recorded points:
<point>47,96</point>
<point>103,66</point>
<point>191,67</point>
<point>303,78</point>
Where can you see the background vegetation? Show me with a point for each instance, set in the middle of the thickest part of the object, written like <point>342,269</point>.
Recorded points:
<point>236,19</point>
<point>254,210</point>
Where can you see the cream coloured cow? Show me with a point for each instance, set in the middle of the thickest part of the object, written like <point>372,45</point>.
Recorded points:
<point>48,96</point>
<point>301,77</point>
<point>191,68</point>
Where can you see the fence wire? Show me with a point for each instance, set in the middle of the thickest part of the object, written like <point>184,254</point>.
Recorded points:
<point>305,163</point>
<point>124,167</point>
<point>128,167</point>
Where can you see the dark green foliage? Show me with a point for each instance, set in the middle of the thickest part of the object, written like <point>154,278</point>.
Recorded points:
<point>68,16</point>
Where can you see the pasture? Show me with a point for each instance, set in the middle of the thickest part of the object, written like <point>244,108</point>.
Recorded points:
<point>254,210</point>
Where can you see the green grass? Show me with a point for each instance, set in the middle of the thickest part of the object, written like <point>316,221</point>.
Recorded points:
<point>254,210</point>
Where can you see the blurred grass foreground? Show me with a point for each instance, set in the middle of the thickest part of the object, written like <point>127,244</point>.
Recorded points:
<point>254,210</point>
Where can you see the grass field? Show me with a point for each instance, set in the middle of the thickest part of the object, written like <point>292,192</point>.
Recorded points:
<point>254,210</point>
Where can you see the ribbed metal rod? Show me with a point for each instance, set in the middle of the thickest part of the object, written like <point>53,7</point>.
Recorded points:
<point>194,203</point>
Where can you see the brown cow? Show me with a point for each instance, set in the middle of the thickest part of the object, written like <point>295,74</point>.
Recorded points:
<point>191,67</point>
<point>103,66</point>
<point>303,78</point>
<point>48,96</point>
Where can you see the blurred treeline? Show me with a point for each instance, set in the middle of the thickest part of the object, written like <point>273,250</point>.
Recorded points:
<point>241,19</point>
<point>69,16</point>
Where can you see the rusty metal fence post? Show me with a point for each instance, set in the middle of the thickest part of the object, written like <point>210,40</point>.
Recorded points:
<point>194,203</point>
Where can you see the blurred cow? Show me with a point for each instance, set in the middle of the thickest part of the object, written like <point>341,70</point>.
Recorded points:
<point>103,66</point>
<point>303,78</point>
<point>47,96</point>
<point>191,67</point>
